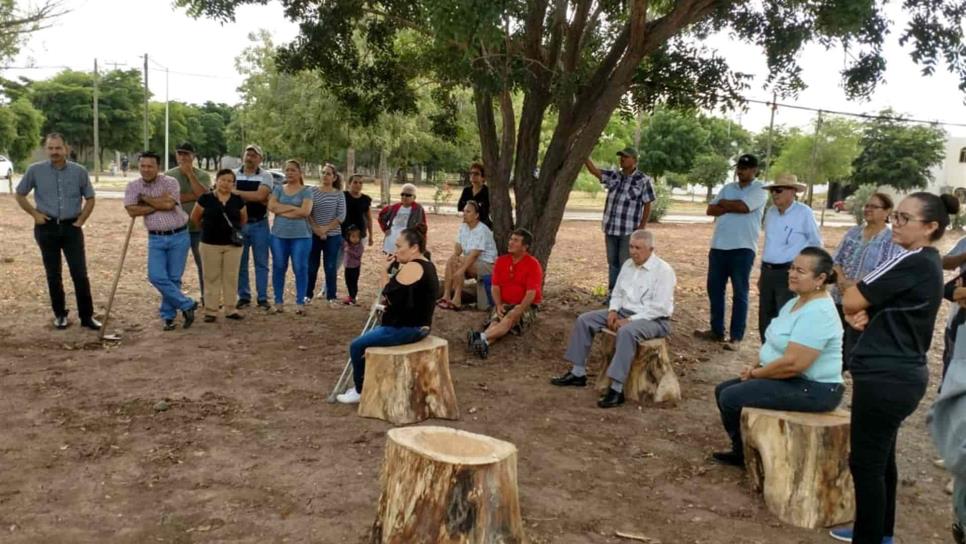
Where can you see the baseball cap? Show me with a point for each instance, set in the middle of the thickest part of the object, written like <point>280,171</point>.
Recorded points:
<point>255,148</point>
<point>628,152</point>
<point>747,161</point>
<point>185,146</point>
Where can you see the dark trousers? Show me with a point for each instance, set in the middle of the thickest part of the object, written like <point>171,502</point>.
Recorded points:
<point>734,265</point>
<point>54,239</point>
<point>849,337</point>
<point>379,337</point>
<point>352,280</point>
<point>793,394</point>
<point>878,409</point>
<point>324,252</point>
<point>618,250</point>
<point>196,254</point>
<point>774,293</point>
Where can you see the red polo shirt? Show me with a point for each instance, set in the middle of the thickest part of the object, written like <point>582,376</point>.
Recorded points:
<point>515,279</point>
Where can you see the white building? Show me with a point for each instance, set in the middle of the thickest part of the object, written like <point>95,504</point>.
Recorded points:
<point>950,175</point>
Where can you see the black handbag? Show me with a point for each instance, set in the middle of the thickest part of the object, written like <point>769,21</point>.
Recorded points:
<point>237,237</point>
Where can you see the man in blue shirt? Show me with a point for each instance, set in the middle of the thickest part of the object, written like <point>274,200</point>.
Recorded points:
<point>737,211</point>
<point>789,228</point>
<point>64,200</point>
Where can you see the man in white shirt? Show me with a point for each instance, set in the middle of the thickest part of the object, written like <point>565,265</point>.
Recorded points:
<point>473,257</point>
<point>640,309</point>
<point>790,227</point>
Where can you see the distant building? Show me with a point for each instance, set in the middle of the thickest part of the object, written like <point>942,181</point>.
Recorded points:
<point>950,175</point>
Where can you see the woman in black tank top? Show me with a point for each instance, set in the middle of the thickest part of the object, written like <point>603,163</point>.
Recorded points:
<point>409,293</point>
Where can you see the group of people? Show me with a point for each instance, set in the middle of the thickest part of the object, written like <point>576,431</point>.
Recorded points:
<point>868,309</point>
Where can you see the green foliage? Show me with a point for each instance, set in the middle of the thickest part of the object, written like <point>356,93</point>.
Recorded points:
<point>829,157</point>
<point>779,139</point>
<point>897,154</point>
<point>662,201</point>
<point>17,24</point>
<point>120,110</point>
<point>709,170</point>
<point>588,184</point>
<point>28,122</point>
<point>856,201</point>
<point>670,142</point>
<point>8,128</point>
<point>66,101</point>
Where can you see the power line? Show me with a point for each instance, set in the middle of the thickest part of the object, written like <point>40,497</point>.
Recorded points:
<point>852,114</point>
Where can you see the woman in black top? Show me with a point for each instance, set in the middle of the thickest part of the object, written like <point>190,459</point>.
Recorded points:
<point>220,258</point>
<point>409,293</point>
<point>478,192</point>
<point>895,308</point>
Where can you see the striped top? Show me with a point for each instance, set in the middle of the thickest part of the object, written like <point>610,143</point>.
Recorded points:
<point>326,207</point>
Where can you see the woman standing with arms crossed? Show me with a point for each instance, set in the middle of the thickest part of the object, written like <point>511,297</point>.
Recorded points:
<point>328,213</point>
<point>291,236</point>
<point>219,212</point>
<point>895,308</point>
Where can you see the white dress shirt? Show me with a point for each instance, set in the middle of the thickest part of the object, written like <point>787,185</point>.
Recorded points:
<point>646,290</point>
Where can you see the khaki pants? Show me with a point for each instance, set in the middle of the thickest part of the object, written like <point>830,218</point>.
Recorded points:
<point>220,265</point>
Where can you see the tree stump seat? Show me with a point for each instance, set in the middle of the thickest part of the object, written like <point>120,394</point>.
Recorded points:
<point>800,463</point>
<point>409,383</point>
<point>446,485</point>
<point>651,374</point>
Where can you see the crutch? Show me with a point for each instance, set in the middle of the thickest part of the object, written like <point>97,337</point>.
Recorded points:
<point>340,386</point>
<point>117,277</point>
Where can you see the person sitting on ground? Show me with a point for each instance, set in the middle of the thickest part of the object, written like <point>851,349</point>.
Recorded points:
<point>640,309</point>
<point>800,364</point>
<point>473,257</point>
<point>406,214</point>
<point>410,287</point>
<point>517,290</point>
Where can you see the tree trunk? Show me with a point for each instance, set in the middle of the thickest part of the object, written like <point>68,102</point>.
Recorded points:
<point>384,177</point>
<point>800,462</point>
<point>350,162</point>
<point>442,485</point>
<point>497,158</point>
<point>651,375</point>
<point>417,174</point>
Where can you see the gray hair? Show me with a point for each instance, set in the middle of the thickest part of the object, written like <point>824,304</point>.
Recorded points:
<point>645,236</point>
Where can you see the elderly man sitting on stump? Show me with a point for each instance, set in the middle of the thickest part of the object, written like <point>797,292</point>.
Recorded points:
<point>517,290</point>
<point>640,309</point>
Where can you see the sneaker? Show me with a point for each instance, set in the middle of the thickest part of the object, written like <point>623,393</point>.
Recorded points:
<point>939,463</point>
<point>278,309</point>
<point>732,345</point>
<point>334,303</point>
<point>470,339</point>
<point>349,397</point>
<point>263,304</point>
<point>482,347</point>
<point>307,300</point>
<point>243,303</point>
<point>844,534</point>
<point>349,301</point>
<point>168,325</point>
<point>709,335</point>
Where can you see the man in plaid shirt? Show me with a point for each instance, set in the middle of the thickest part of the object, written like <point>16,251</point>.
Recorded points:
<point>629,196</point>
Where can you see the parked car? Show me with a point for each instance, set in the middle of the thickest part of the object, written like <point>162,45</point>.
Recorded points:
<point>278,177</point>
<point>6,168</point>
<point>839,206</point>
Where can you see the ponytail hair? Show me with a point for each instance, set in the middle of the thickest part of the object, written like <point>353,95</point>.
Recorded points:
<point>937,209</point>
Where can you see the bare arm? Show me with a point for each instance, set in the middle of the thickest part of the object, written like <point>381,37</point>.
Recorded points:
<point>85,212</point>
<point>796,359</point>
<point>259,196</point>
<point>160,203</point>
<point>137,210</point>
<point>645,216</point>
<point>952,262</point>
<point>26,206</point>
<point>368,218</point>
<point>470,260</point>
<point>524,304</point>
<point>244,216</point>
<point>715,210</point>
<point>196,214</point>
<point>592,168</point>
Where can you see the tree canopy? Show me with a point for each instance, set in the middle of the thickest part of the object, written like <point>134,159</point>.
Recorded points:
<point>897,153</point>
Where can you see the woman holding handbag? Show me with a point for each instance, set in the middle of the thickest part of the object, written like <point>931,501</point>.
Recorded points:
<point>221,215</point>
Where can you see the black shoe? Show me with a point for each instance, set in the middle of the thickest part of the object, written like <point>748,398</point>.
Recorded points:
<point>263,304</point>
<point>189,316</point>
<point>210,319</point>
<point>243,303</point>
<point>168,325</point>
<point>91,323</point>
<point>732,458</point>
<point>470,339</point>
<point>236,317</point>
<point>611,399</point>
<point>569,379</point>
<point>709,335</point>
<point>958,535</point>
<point>482,347</point>
<point>61,322</point>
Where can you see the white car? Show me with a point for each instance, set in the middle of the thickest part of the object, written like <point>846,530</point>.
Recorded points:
<point>6,168</point>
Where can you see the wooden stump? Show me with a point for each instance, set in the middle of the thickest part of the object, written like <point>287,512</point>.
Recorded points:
<point>442,485</point>
<point>800,462</point>
<point>409,383</point>
<point>651,372</point>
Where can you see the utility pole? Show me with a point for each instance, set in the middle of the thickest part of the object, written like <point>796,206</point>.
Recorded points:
<point>145,148</point>
<point>97,139</point>
<point>814,173</point>
<point>166,146</point>
<point>771,134</point>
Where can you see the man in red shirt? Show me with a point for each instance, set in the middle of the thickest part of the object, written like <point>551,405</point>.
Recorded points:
<point>517,289</point>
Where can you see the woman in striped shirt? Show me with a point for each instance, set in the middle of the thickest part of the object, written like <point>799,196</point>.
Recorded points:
<point>328,213</point>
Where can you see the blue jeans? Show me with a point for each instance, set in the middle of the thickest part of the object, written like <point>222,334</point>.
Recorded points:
<point>196,253</point>
<point>380,336</point>
<point>618,251</point>
<point>257,238</point>
<point>327,252</point>
<point>167,257</point>
<point>733,264</point>
<point>793,394</point>
<point>282,250</point>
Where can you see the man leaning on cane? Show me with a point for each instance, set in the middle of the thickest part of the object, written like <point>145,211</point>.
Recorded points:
<point>64,200</point>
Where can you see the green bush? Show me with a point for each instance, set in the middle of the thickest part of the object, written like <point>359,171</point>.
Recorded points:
<point>662,201</point>
<point>856,202</point>
<point>587,183</point>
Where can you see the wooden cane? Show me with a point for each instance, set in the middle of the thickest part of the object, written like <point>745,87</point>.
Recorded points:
<point>117,278</point>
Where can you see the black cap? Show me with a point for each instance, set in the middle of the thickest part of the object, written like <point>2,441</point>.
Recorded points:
<point>747,161</point>
<point>185,146</point>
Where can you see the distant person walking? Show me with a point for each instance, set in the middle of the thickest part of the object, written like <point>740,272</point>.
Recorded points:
<point>64,199</point>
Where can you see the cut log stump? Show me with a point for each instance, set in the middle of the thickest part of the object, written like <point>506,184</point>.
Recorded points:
<point>409,383</point>
<point>651,374</point>
<point>442,485</point>
<point>800,463</point>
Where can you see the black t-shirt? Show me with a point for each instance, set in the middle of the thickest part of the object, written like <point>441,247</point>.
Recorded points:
<point>214,228</point>
<point>356,212</point>
<point>904,296</point>
<point>412,305</point>
<point>482,198</point>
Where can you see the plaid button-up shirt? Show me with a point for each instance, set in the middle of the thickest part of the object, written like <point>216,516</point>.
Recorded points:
<point>161,186</point>
<point>626,197</point>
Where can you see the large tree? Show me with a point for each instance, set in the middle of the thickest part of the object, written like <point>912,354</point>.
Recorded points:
<point>822,156</point>
<point>897,153</point>
<point>27,121</point>
<point>581,59</point>
<point>66,102</point>
<point>16,24</point>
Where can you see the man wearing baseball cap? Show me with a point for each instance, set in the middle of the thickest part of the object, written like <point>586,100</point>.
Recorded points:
<point>790,227</point>
<point>737,210</point>
<point>629,196</point>
<point>254,185</point>
<point>193,183</point>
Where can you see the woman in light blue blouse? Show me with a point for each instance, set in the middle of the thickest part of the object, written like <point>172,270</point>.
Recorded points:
<point>800,363</point>
<point>863,248</point>
<point>291,235</point>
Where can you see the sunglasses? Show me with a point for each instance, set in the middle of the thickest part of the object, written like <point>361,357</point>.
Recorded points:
<point>778,190</point>
<point>407,194</point>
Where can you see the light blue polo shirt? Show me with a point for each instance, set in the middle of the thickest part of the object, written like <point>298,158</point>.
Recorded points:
<point>740,230</point>
<point>787,234</point>
<point>815,325</point>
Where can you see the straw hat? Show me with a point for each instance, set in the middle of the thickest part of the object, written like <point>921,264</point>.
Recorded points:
<point>787,180</point>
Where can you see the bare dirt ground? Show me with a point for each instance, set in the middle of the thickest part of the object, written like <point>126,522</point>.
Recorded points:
<point>249,451</point>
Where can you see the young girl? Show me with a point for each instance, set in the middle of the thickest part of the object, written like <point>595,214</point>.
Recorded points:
<point>352,248</point>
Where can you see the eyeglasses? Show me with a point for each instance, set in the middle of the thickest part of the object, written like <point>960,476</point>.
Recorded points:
<point>900,219</point>
<point>777,190</point>
<point>410,195</point>
<point>873,207</point>
<point>474,174</point>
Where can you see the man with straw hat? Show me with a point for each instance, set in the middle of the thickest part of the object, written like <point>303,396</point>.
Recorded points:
<point>789,228</point>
